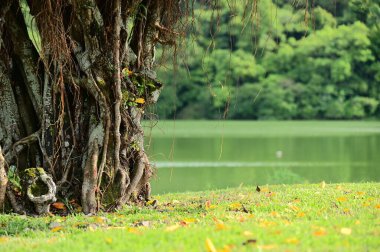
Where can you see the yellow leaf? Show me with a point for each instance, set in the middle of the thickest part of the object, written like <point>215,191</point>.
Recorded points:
<point>140,100</point>
<point>126,72</point>
<point>267,247</point>
<point>3,239</point>
<point>294,208</point>
<point>220,226</point>
<point>365,204</point>
<point>292,240</point>
<point>341,199</point>
<point>247,233</point>
<point>345,231</point>
<point>108,240</point>
<point>378,206</point>
<point>300,214</point>
<point>210,246</point>
<point>100,80</point>
<point>323,184</point>
<point>360,193</point>
<point>58,205</point>
<point>274,214</point>
<point>235,206</point>
<point>134,231</point>
<point>56,229</point>
<point>189,220</point>
<point>172,228</point>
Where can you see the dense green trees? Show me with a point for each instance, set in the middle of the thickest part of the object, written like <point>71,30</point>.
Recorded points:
<point>277,60</point>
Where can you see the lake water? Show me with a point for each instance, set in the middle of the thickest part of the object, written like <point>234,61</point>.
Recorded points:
<point>200,155</point>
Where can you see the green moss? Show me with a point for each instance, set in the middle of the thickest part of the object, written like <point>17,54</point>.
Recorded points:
<point>39,188</point>
<point>32,173</point>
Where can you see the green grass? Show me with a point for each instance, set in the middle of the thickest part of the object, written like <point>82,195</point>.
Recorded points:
<point>200,128</point>
<point>334,217</point>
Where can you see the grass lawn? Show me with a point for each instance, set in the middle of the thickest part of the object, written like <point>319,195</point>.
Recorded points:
<point>317,217</point>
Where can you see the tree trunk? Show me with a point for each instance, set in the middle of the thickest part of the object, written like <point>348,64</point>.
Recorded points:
<point>73,91</point>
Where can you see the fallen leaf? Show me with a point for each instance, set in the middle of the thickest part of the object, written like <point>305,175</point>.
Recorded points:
<point>357,222</point>
<point>220,226</point>
<point>360,193</point>
<point>226,248</point>
<point>59,205</point>
<point>345,231</point>
<point>210,246</point>
<point>3,239</point>
<point>292,240</point>
<point>267,247</point>
<point>301,214</point>
<point>378,206</point>
<point>134,231</point>
<point>250,242</point>
<point>294,208</point>
<point>270,194</point>
<point>323,184</point>
<point>152,203</point>
<point>235,206</point>
<point>247,233</point>
<point>274,214</point>
<point>126,72</point>
<point>341,199</point>
<point>140,100</point>
<point>320,232</point>
<point>56,229</point>
<point>172,228</point>
<point>108,240</point>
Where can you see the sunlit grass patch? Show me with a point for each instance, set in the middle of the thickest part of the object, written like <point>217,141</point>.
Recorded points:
<point>284,217</point>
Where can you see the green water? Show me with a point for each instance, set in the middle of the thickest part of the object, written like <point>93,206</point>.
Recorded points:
<point>200,155</point>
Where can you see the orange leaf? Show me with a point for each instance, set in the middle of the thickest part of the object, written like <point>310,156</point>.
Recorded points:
<point>274,214</point>
<point>59,205</point>
<point>210,246</point>
<point>301,214</point>
<point>320,232</point>
<point>378,206</point>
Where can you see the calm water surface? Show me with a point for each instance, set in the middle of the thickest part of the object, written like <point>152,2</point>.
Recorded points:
<point>191,155</point>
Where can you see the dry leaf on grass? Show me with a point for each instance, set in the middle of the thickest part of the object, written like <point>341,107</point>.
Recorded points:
<point>345,231</point>
<point>210,246</point>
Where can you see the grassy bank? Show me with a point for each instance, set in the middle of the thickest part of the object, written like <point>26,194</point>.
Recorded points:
<point>319,217</point>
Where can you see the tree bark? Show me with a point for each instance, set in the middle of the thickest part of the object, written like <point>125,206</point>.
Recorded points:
<point>74,104</point>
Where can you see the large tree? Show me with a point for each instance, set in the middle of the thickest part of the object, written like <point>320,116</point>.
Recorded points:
<point>73,93</point>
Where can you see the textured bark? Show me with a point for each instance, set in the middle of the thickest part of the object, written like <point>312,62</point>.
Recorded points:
<point>74,104</point>
<point>3,180</point>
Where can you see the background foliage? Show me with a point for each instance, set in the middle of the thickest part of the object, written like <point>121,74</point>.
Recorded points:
<point>280,59</point>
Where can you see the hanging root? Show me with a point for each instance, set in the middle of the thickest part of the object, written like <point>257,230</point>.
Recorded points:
<point>90,175</point>
<point>3,180</point>
<point>37,193</point>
